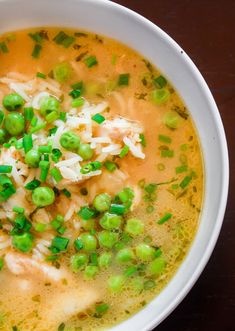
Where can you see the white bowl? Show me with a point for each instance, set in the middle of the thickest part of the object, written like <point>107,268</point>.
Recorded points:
<point>107,18</point>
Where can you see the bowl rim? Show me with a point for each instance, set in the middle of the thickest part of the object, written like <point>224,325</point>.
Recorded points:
<point>221,137</point>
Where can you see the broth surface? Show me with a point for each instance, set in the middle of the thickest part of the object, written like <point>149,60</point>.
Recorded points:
<point>168,185</point>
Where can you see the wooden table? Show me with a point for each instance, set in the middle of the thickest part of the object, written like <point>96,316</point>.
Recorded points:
<point>206,31</point>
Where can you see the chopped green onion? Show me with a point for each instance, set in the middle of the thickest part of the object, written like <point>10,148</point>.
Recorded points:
<point>62,116</point>
<point>124,151</point>
<point>27,142</point>
<point>63,39</point>
<point>117,209</point>
<point>102,308</point>
<point>62,72</point>
<point>56,155</point>
<point>78,102</point>
<point>66,193</point>
<point>56,174</point>
<point>123,79</point>
<point>171,119</point>
<point>185,181</point>
<point>40,227</point>
<point>45,149</point>
<point>167,153</point>
<point>130,271</point>
<point>77,86</point>
<point>142,140</point>
<point>36,51</point>
<point>44,166</point>
<point>1,116</point>
<point>23,242</point>
<point>37,36</point>
<point>161,96</point>
<point>52,116</point>
<point>19,210</point>
<point>98,118</point>
<point>41,75</point>
<point>53,130</point>
<point>34,121</point>
<point>160,81</point>
<point>165,218</point>
<point>78,244</point>
<point>75,93</point>
<point>32,185</point>
<point>3,47</point>
<point>181,169</point>
<point>5,169</point>
<point>89,167</point>
<point>59,244</point>
<point>164,139</point>
<point>28,113</point>
<point>90,61</point>
<point>1,263</point>
<point>110,166</point>
<point>86,213</point>
<point>38,127</point>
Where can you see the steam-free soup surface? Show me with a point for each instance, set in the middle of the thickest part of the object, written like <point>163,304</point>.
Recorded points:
<point>101,181</point>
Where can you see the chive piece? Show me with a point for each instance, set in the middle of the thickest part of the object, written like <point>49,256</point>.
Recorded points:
<point>79,102</point>
<point>123,79</point>
<point>63,115</point>
<point>102,308</point>
<point>181,169</point>
<point>32,185</point>
<point>78,244</point>
<point>3,47</point>
<point>117,209</point>
<point>130,271</point>
<point>27,142</point>
<point>56,174</point>
<point>98,118</point>
<point>86,213</point>
<point>124,151</point>
<point>66,193</point>
<point>56,155</point>
<point>94,259</point>
<point>77,86</point>
<point>18,210</point>
<point>165,218</point>
<point>5,169</point>
<point>110,166</point>
<point>1,116</point>
<point>41,75</point>
<point>185,181</point>
<point>160,81</point>
<point>68,41</point>
<point>45,149</point>
<point>53,116</point>
<point>44,166</point>
<point>28,113</point>
<point>167,153</point>
<point>63,39</point>
<point>53,130</point>
<point>161,96</point>
<point>90,61</point>
<point>164,139</point>
<point>89,167</point>
<point>76,93</point>
<point>1,263</point>
<point>184,147</point>
<point>59,244</point>
<point>36,51</point>
<point>34,121</point>
<point>142,140</point>
<point>37,37</point>
<point>61,327</point>
<point>38,127</point>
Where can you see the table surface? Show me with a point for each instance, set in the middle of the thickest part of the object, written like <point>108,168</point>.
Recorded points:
<point>205,29</point>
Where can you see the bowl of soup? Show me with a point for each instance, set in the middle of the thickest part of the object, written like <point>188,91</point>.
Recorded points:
<point>113,168</point>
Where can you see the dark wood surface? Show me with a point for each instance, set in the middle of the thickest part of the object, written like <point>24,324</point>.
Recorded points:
<point>206,31</point>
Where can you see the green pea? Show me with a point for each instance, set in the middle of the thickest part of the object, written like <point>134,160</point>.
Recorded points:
<point>125,255</point>
<point>107,239</point>
<point>111,221</point>
<point>134,227</point>
<point>115,283</point>
<point>3,136</point>
<point>32,158</point>
<point>13,101</point>
<point>157,266</point>
<point>78,262</point>
<point>88,224</point>
<point>14,123</point>
<point>171,119</point>
<point>91,271</point>
<point>85,151</point>
<point>70,141</point>
<point>89,242</point>
<point>104,260</point>
<point>23,242</point>
<point>145,252</point>
<point>48,105</point>
<point>43,196</point>
<point>102,202</point>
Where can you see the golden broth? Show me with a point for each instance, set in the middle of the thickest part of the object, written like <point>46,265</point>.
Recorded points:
<point>28,302</point>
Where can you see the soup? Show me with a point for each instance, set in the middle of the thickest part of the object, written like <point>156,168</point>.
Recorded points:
<point>101,181</point>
